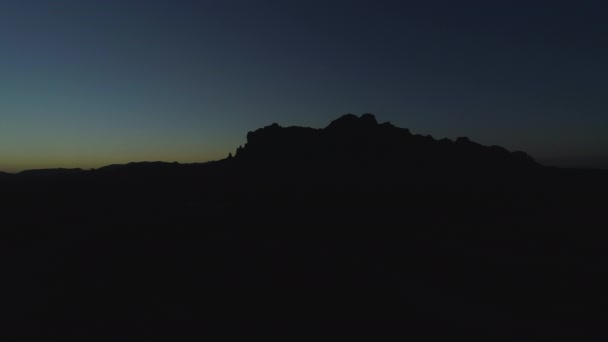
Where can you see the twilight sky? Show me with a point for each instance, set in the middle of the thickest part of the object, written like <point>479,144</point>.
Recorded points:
<point>85,83</point>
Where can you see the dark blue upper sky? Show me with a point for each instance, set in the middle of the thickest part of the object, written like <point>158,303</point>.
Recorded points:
<point>85,83</point>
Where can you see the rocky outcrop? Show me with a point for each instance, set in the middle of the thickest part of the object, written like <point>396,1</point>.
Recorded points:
<point>352,139</point>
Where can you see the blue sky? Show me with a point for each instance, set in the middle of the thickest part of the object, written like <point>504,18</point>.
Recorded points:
<point>88,83</point>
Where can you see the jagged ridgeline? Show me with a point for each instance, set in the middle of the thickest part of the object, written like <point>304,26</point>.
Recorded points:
<point>362,140</point>
<point>349,146</point>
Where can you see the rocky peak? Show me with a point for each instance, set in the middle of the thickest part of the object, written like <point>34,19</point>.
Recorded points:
<point>351,121</point>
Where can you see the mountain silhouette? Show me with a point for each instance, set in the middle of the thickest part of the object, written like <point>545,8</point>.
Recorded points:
<point>136,165</point>
<point>50,172</point>
<point>348,145</point>
<point>352,139</point>
<point>356,229</point>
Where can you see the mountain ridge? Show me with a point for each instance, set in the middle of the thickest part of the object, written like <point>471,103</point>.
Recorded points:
<point>349,139</point>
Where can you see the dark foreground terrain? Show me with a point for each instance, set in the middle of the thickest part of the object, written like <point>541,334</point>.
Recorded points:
<point>356,229</point>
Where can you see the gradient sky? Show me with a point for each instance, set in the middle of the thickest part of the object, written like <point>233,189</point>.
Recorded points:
<point>84,83</point>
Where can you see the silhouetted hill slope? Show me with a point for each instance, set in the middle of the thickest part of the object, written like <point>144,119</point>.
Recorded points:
<point>137,166</point>
<point>50,172</point>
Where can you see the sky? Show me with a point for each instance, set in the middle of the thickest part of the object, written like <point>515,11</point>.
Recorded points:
<point>86,83</point>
